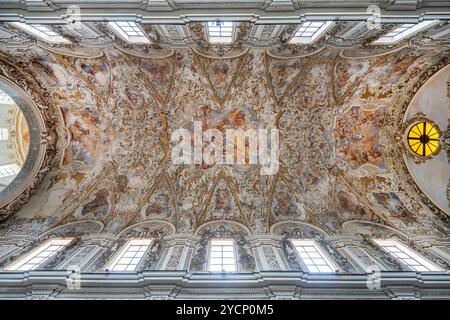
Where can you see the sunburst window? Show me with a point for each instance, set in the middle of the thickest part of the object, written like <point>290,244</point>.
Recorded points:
<point>423,139</point>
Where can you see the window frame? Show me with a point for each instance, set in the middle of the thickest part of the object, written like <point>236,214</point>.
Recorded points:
<point>133,39</point>
<point>124,249</point>
<point>412,254</point>
<point>229,39</point>
<point>32,29</point>
<point>415,28</point>
<point>320,32</point>
<point>210,246</point>
<point>25,259</point>
<point>323,255</point>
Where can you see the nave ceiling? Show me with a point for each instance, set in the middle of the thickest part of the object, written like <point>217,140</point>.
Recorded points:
<point>114,109</point>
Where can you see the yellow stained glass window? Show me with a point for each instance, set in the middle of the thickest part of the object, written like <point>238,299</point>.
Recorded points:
<point>423,138</point>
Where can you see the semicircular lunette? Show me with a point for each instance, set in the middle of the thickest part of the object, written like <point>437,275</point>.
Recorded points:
<point>425,120</point>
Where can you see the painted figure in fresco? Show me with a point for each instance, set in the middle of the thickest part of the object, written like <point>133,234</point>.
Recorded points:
<point>223,201</point>
<point>357,137</point>
<point>159,206</point>
<point>342,74</point>
<point>309,177</point>
<point>93,69</point>
<point>99,206</point>
<point>160,70</point>
<point>283,71</point>
<point>347,208</point>
<point>88,140</point>
<point>284,206</point>
<point>394,207</point>
<point>220,74</point>
<point>79,153</point>
<point>399,68</point>
<point>137,100</point>
<point>43,65</point>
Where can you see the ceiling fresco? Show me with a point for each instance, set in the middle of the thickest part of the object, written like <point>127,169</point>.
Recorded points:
<point>338,119</point>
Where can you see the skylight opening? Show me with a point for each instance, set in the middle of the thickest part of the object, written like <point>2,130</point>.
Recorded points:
<point>313,256</point>
<point>405,256</point>
<point>40,255</point>
<point>42,32</point>
<point>220,32</point>
<point>310,31</point>
<point>129,31</point>
<point>404,31</point>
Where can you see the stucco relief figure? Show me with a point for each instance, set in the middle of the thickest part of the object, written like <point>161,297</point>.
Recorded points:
<point>394,207</point>
<point>309,177</point>
<point>357,137</point>
<point>98,207</point>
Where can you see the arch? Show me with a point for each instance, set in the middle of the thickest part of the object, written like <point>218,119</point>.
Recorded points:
<point>370,228</point>
<point>291,224</point>
<point>205,225</point>
<point>223,229</point>
<point>75,228</point>
<point>151,223</point>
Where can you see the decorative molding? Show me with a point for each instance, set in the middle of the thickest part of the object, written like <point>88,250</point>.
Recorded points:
<point>243,286</point>
<point>46,132</point>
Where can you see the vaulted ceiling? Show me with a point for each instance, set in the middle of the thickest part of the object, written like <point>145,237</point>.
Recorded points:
<point>339,105</point>
<point>338,117</point>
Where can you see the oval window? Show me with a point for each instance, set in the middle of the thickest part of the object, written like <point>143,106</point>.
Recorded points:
<point>423,139</point>
<point>14,140</point>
